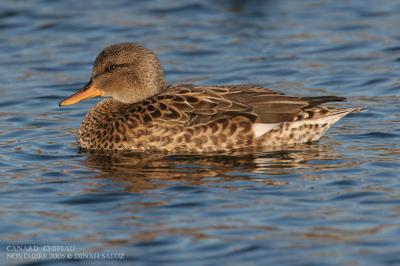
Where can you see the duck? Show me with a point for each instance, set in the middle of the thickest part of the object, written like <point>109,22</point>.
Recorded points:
<point>141,113</point>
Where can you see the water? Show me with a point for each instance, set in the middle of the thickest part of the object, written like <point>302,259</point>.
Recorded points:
<point>333,203</point>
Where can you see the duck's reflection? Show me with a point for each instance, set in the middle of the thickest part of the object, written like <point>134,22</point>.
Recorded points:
<point>150,171</point>
<point>169,174</point>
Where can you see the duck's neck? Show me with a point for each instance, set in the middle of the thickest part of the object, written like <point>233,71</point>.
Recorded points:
<point>150,74</point>
<point>148,82</point>
<point>152,83</point>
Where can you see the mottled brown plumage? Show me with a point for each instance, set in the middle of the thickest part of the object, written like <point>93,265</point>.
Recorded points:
<point>145,115</point>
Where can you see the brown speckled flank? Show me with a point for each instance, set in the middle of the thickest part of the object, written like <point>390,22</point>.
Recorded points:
<point>145,115</point>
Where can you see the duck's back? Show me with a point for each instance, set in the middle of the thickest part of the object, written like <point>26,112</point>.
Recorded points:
<point>188,118</point>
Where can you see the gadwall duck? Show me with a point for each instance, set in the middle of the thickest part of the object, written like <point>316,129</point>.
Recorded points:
<point>142,113</point>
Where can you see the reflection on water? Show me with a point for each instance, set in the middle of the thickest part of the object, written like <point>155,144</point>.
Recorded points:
<point>150,171</point>
<point>332,203</point>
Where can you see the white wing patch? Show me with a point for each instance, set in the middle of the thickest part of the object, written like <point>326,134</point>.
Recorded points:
<point>260,129</point>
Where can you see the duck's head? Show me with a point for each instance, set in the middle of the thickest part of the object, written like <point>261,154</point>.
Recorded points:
<point>127,72</point>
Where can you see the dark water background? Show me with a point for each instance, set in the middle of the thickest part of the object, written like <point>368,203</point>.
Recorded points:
<point>333,203</point>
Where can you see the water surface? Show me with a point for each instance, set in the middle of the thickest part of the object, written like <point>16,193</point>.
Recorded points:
<point>332,203</point>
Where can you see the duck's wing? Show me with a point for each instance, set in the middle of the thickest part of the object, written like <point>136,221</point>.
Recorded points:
<point>271,106</point>
<point>189,104</point>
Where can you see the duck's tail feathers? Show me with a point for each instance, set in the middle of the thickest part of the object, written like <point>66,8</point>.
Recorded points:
<point>315,101</point>
<point>308,126</point>
<point>322,119</point>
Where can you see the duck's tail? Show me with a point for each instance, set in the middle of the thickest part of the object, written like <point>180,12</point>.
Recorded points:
<point>318,100</point>
<point>307,127</point>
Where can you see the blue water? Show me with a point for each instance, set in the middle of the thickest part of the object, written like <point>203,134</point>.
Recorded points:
<point>332,203</point>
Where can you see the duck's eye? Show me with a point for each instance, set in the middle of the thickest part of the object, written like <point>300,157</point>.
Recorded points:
<point>111,68</point>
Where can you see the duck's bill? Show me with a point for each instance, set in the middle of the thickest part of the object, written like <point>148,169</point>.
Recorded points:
<point>87,92</point>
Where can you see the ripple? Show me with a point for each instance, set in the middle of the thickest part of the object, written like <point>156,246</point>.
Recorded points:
<point>340,48</point>
<point>331,203</point>
<point>394,49</point>
<point>98,198</point>
<point>348,196</point>
<point>380,135</point>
